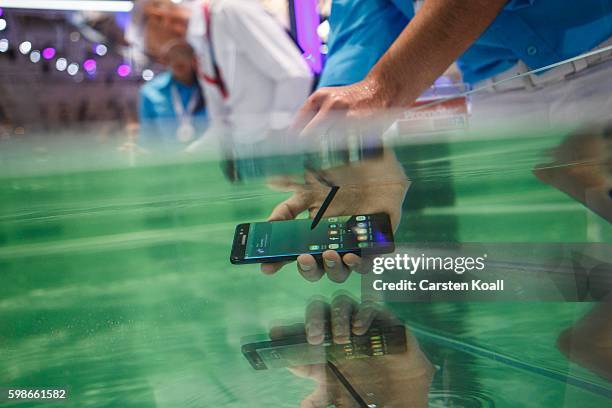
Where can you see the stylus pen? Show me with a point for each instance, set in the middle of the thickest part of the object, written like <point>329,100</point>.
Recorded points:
<point>326,203</point>
<point>347,385</point>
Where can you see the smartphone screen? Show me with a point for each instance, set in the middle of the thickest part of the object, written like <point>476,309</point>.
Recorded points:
<point>295,350</point>
<point>285,240</point>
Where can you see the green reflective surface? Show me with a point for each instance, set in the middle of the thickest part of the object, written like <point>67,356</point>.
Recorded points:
<point>116,281</point>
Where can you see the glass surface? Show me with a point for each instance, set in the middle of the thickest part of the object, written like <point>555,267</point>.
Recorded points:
<point>116,230</point>
<point>116,281</point>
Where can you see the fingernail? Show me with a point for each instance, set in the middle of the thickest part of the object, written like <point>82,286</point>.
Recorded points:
<point>330,263</point>
<point>305,268</point>
<point>314,329</point>
<point>315,340</point>
<point>342,340</point>
<point>353,264</point>
<point>358,323</point>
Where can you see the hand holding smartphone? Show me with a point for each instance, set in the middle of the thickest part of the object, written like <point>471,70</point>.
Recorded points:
<point>363,356</point>
<point>289,351</point>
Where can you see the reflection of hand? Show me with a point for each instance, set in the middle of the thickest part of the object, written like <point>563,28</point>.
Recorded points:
<point>372,186</point>
<point>589,341</point>
<point>581,167</point>
<point>389,380</point>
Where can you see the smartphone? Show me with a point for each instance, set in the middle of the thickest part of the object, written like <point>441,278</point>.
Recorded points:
<point>295,350</point>
<point>262,242</point>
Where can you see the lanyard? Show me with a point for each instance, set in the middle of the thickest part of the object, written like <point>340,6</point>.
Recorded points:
<point>217,79</point>
<point>185,131</point>
<point>180,111</point>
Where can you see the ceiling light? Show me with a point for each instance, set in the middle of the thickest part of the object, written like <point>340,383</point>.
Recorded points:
<point>73,69</point>
<point>61,64</point>
<point>25,47</point>
<point>148,75</point>
<point>35,56</point>
<point>101,49</point>
<point>85,5</point>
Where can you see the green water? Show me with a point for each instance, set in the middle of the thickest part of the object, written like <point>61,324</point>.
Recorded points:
<point>116,281</point>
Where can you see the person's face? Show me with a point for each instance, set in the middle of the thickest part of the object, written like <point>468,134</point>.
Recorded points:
<point>182,67</point>
<point>163,25</point>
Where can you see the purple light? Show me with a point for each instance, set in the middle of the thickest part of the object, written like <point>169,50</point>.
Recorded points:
<point>1,12</point>
<point>123,70</point>
<point>90,66</point>
<point>48,53</point>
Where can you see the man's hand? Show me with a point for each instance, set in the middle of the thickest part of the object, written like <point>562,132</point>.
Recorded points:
<point>342,105</point>
<point>372,186</point>
<point>438,34</point>
<point>581,166</point>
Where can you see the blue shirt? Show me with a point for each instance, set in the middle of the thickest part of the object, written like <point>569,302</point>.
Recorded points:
<point>538,32</point>
<point>158,121</point>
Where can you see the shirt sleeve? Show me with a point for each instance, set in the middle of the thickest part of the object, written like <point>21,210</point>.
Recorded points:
<point>271,50</point>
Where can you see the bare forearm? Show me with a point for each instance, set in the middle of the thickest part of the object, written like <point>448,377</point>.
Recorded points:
<point>439,33</point>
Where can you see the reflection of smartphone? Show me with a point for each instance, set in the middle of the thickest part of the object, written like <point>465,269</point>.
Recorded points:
<point>279,155</point>
<point>295,350</point>
<point>285,240</point>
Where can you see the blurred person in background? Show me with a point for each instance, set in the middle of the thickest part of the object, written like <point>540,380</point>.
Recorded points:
<point>172,111</point>
<point>253,74</point>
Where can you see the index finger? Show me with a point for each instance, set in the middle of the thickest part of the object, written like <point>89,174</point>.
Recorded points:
<point>307,111</point>
<point>317,319</point>
<point>320,123</point>
<point>342,307</point>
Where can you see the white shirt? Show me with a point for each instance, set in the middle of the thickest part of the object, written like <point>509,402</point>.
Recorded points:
<point>266,77</point>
